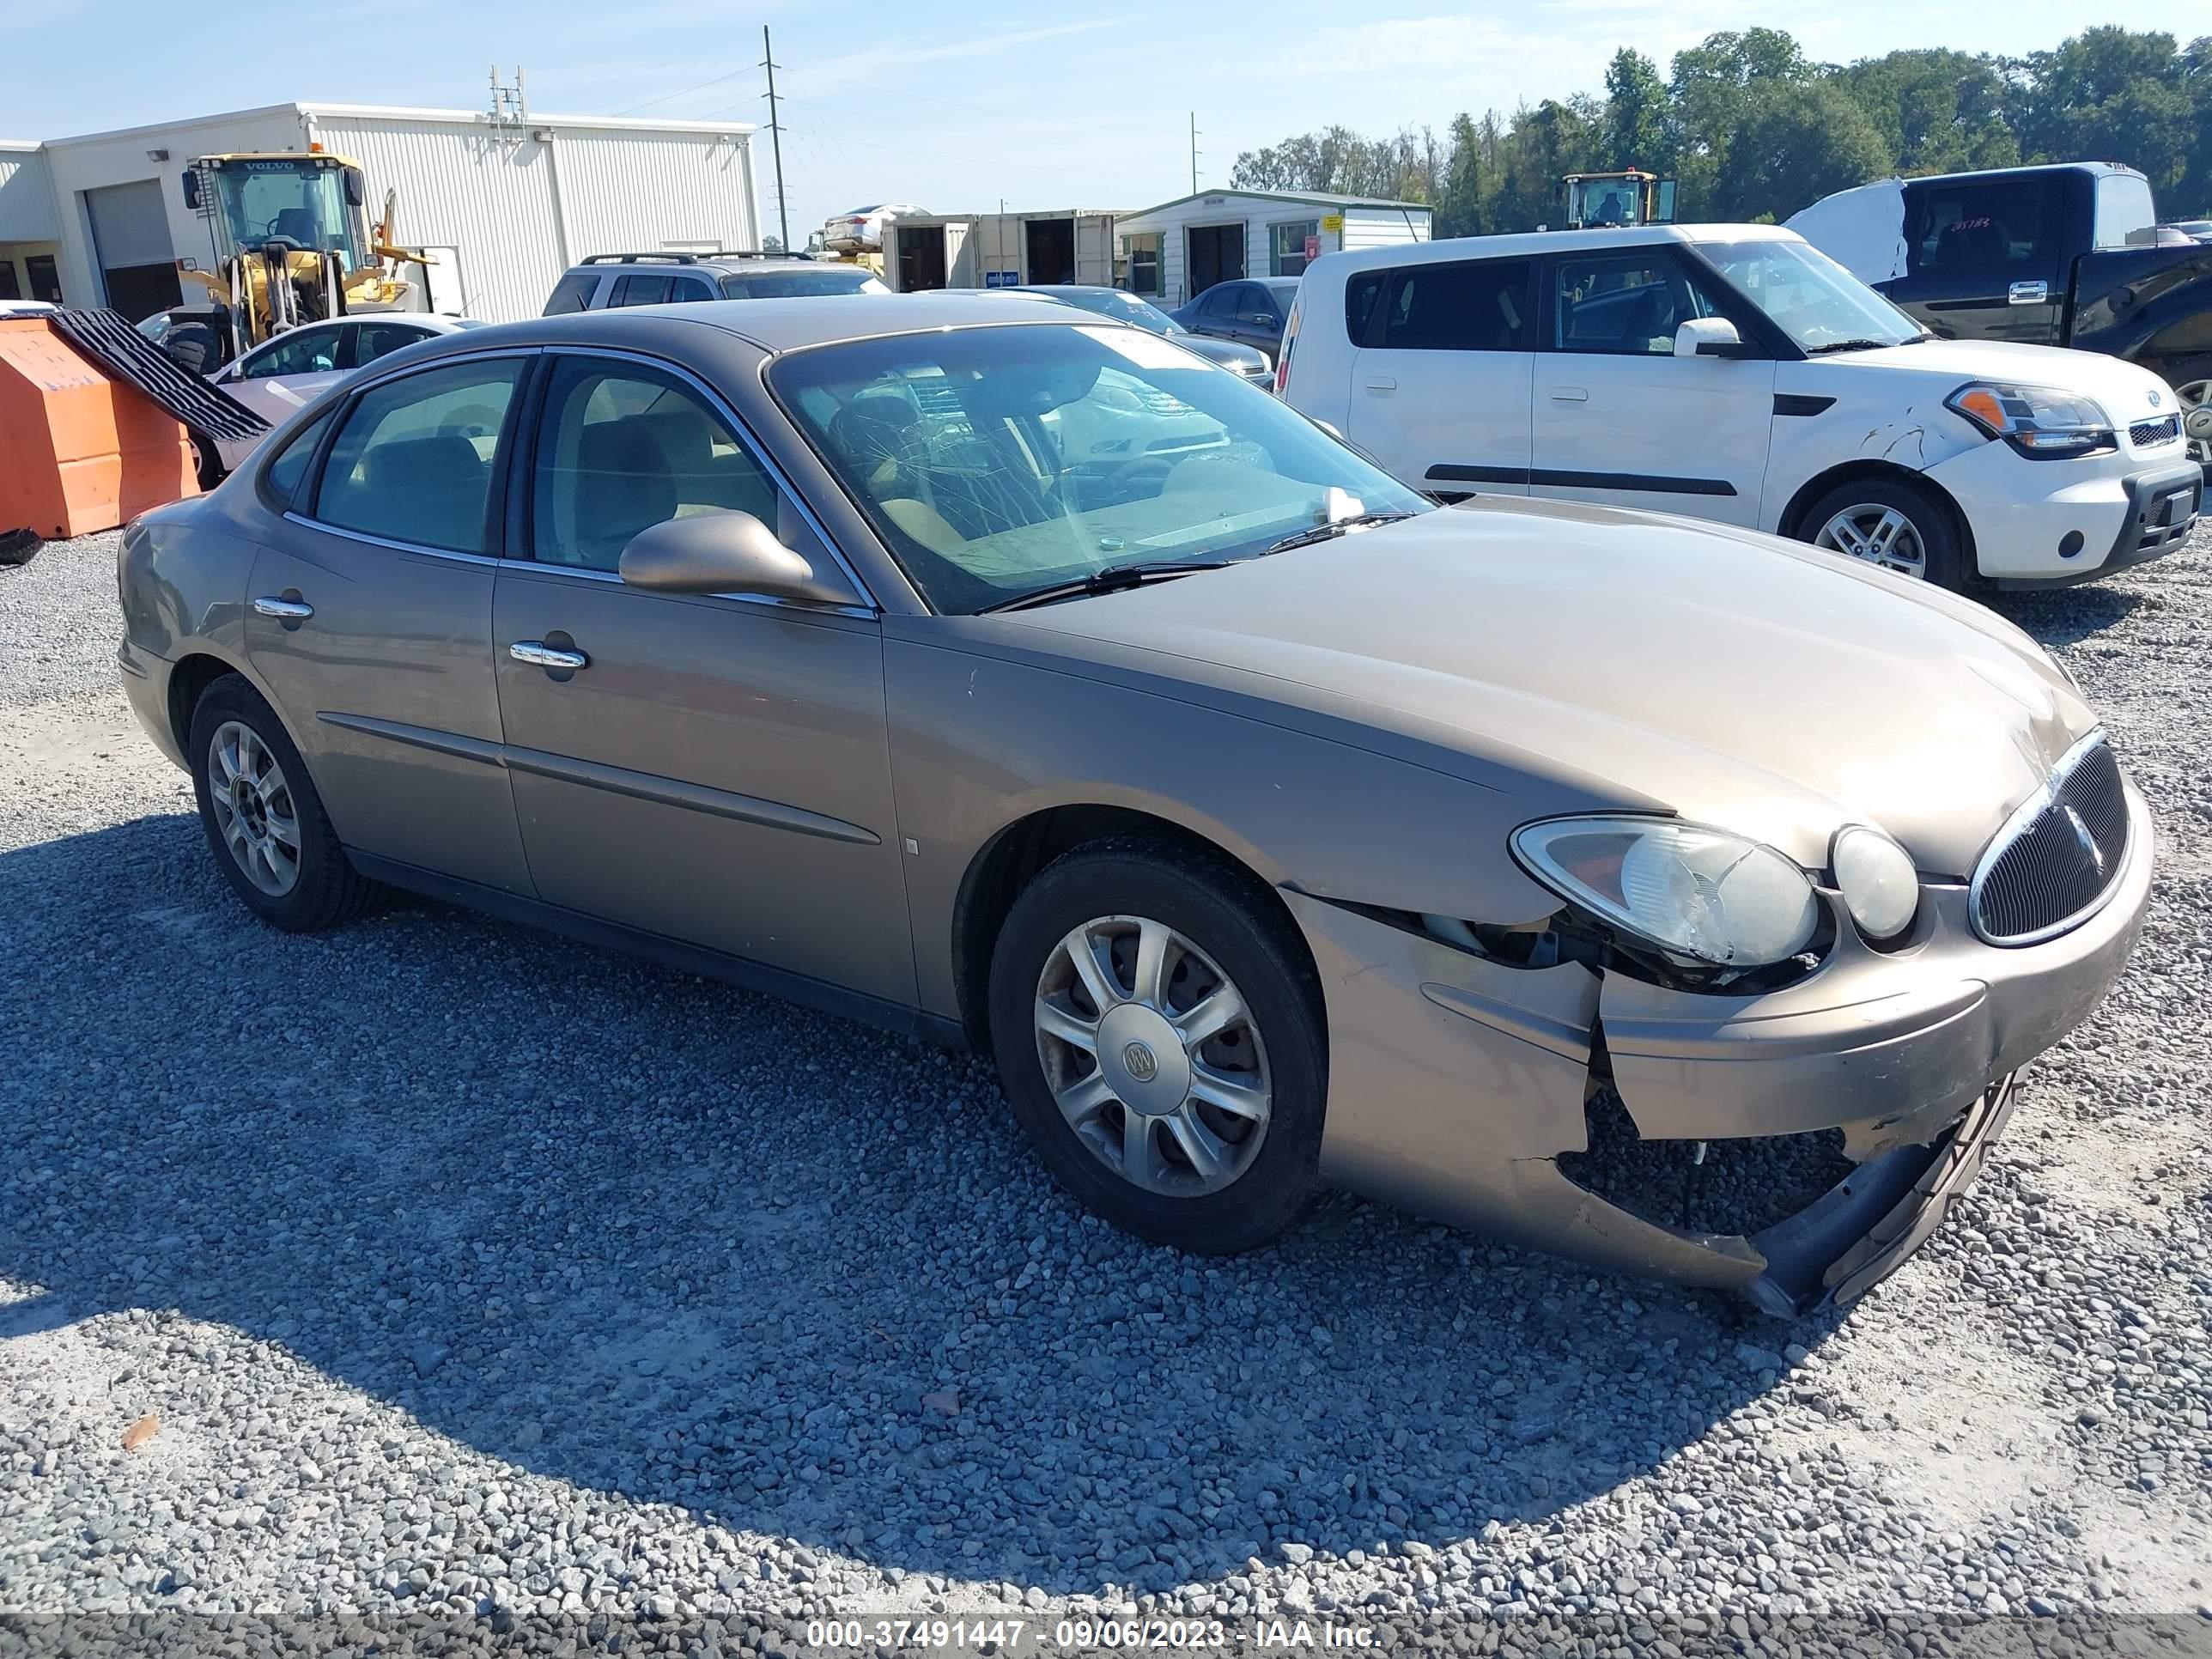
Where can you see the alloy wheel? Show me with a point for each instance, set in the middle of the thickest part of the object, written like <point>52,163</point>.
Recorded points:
<point>1879,534</point>
<point>2195,401</point>
<point>1152,1056</point>
<point>253,808</point>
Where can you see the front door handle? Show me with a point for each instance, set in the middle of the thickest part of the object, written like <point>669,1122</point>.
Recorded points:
<point>2028,294</point>
<point>1383,383</point>
<point>1569,394</point>
<point>284,610</point>
<point>538,654</point>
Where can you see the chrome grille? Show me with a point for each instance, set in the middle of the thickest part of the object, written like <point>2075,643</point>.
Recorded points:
<point>2057,859</point>
<point>2145,435</point>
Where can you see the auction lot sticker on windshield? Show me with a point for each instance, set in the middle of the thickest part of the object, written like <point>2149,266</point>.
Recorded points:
<point>1146,350</point>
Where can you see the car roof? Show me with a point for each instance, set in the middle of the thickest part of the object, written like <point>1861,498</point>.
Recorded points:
<point>787,325</point>
<point>1531,242</point>
<point>723,262</point>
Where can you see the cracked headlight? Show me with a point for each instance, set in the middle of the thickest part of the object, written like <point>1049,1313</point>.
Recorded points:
<point>2035,420</point>
<point>1881,888</point>
<point>1698,893</point>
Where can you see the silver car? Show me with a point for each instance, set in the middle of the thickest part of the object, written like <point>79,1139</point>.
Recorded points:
<point>1533,865</point>
<point>282,376</point>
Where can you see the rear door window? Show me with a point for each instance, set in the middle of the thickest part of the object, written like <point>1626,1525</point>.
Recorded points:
<point>374,340</point>
<point>641,290</point>
<point>413,461</point>
<point>1474,305</point>
<point>1971,227</point>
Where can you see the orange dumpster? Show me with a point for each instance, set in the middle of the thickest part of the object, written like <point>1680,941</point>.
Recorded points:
<point>79,452</point>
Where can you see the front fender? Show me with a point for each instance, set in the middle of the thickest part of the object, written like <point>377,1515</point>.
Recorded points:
<point>980,740</point>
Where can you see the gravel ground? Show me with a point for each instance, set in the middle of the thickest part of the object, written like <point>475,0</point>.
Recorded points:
<point>461,1268</point>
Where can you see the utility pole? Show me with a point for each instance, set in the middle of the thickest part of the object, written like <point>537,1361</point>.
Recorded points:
<point>1193,152</point>
<point>776,139</point>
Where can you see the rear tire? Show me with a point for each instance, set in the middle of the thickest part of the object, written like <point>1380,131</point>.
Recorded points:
<point>263,822</point>
<point>207,460</point>
<point>1220,1151</point>
<point>1893,524</point>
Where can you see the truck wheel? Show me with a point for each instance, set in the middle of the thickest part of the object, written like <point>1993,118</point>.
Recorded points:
<point>2192,380</point>
<point>1892,523</point>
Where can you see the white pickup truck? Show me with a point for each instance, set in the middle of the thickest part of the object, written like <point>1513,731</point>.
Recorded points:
<point>1732,372</point>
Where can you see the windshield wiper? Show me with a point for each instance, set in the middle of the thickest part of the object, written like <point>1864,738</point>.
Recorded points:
<point>1335,527</point>
<point>1864,345</point>
<point>1113,579</point>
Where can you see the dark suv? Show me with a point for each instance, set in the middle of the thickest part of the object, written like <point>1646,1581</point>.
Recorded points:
<point>606,280</point>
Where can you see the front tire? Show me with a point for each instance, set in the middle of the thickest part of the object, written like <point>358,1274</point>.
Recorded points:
<point>2192,380</point>
<point>264,820</point>
<point>1892,523</point>
<point>1159,1032</point>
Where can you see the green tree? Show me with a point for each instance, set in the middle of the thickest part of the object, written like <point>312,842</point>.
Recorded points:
<point>1460,203</point>
<point>1938,111</point>
<point>1637,107</point>
<point>1709,83</point>
<point>1792,145</point>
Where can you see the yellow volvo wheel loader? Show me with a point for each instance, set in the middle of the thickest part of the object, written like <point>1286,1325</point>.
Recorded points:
<point>293,244</point>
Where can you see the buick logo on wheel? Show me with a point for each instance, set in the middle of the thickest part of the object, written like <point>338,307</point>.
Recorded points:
<point>1139,1061</point>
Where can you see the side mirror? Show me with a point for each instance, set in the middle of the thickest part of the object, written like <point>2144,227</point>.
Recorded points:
<point>357,187</point>
<point>726,553</point>
<point>1710,336</point>
<point>192,189</point>
<point>1266,319</point>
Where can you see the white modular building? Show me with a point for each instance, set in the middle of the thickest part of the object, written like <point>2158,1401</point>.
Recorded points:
<point>999,250</point>
<point>504,204</point>
<point>1173,253</point>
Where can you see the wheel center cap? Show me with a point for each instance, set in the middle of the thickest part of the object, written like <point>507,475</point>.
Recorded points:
<point>1143,1060</point>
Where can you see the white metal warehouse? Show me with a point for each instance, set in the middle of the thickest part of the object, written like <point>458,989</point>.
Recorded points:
<point>507,203</point>
<point>1176,251</point>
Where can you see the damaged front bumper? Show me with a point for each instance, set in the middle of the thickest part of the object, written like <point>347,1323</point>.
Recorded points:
<point>1474,1090</point>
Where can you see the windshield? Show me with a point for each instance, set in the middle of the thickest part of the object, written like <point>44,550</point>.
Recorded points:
<point>299,203</point>
<point>798,284</point>
<point>1810,297</point>
<point>998,461</point>
<point>1121,308</point>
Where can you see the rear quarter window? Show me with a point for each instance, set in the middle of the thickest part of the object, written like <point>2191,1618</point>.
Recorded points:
<point>572,293</point>
<point>1360,294</point>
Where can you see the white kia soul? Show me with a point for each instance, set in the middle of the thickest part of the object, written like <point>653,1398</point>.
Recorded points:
<point>1733,372</point>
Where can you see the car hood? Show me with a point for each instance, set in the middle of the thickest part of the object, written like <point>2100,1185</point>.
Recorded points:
<point>1637,661</point>
<point>1227,353</point>
<point>2122,387</point>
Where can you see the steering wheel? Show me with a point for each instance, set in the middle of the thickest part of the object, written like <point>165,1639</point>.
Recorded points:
<point>1121,482</point>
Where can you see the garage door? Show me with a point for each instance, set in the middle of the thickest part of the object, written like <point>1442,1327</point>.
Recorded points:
<point>130,241</point>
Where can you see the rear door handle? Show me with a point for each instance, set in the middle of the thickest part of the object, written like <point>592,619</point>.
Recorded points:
<point>538,654</point>
<point>284,610</point>
<point>1384,384</point>
<point>1569,394</point>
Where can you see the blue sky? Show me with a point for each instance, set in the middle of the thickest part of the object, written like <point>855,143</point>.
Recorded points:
<point>951,107</point>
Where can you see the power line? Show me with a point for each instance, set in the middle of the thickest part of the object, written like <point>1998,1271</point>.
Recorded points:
<point>666,96</point>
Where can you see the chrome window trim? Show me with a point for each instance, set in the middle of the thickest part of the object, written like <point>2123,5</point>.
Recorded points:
<point>742,432</point>
<point>2015,826</point>
<point>534,567</point>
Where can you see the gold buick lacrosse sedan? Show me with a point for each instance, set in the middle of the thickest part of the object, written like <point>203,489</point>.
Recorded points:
<point>1657,893</point>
